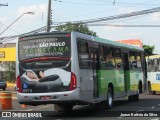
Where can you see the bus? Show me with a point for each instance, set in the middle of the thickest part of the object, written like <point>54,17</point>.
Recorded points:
<point>153,73</point>
<point>67,69</point>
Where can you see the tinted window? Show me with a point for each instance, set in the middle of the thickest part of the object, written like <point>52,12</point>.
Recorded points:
<point>110,57</point>
<point>102,57</point>
<point>133,61</point>
<point>83,54</point>
<point>139,60</point>
<point>38,47</point>
<point>45,64</point>
<point>118,59</point>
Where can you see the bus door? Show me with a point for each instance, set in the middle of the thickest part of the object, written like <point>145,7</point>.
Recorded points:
<point>126,71</point>
<point>95,67</point>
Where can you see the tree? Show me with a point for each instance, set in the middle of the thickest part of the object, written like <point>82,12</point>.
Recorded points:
<point>78,27</point>
<point>148,49</point>
<point>10,71</point>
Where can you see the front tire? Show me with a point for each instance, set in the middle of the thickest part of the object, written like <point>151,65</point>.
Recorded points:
<point>109,98</point>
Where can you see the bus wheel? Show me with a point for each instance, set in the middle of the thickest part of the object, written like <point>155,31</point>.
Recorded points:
<point>63,107</point>
<point>109,98</point>
<point>150,90</point>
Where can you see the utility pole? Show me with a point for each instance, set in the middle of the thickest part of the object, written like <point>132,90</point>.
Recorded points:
<point>49,17</point>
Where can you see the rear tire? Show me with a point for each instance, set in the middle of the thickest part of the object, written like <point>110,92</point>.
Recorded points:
<point>109,98</point>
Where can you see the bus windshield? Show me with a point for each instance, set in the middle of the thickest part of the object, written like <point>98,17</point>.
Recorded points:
<point>44,47</point>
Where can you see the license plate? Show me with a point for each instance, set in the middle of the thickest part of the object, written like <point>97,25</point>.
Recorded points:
<point>45,97</point>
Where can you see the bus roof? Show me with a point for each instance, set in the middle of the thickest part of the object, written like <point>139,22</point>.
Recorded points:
<point>115,43</point>
<point>153,56</point>
<point>91,38</point>
<point>109,42</point>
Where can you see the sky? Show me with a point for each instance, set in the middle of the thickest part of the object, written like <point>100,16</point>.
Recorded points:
<point>77,10</point>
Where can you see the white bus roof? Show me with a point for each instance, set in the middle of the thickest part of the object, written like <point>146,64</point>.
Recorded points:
<point>153,56</point>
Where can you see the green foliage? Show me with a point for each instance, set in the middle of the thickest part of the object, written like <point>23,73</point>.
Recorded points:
<point>79,27</point>
<point>148,49</point>
<point>10,71</point>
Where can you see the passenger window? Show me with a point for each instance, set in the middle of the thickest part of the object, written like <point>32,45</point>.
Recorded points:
<point>133,61</point>
<point>139,63</point>
<point>118,58</point>
<point>83,54</point>
<point>158,64</point>
<point>149,66</point>
<point>102,57</point>
<point>110,57</point>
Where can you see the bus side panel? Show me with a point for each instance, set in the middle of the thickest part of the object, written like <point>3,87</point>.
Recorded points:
<point>17,61</point>
<point>154,79</point>
<point>128,80</point>
<point>135,77</point>
<point>153,72</point>
<point>86,85</point>
<point>84,76</point>
<point>116,78</point>
<point>103,82</point>
<point>133,81</point>
<point>119,83</point>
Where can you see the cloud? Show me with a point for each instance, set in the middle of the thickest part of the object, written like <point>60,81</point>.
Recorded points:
<point>2,19</point>
<point>40,13</point>
<point>31,22</point>
<point>155,17</point>
<point>37,9</point>
<point>135,35</point>
<point>126,10</point>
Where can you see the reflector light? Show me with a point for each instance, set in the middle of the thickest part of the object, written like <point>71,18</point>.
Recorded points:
<point>73,82</point>
<point>68,35</point>
<point>19,85</point>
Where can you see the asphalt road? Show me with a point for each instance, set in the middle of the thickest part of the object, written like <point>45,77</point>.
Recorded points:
<point>149,104</point>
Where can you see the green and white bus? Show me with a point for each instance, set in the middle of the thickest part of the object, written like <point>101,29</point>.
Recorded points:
<point>66,69</point>
<point>153,73</point>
